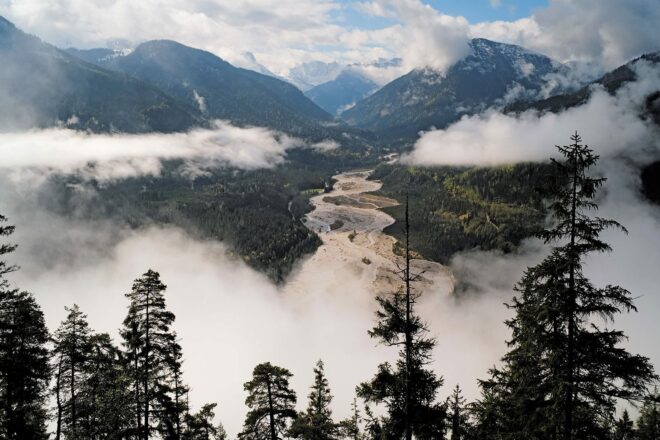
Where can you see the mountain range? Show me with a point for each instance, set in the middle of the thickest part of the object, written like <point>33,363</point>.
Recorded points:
<point>218,89</point>
<point>611,82</point>
<point>165,86</point>
<point>160,86</point>
<point>42,86</point>
<point>342,92</point>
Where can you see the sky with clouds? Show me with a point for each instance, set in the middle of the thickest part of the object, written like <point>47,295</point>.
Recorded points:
<point>284,33</point>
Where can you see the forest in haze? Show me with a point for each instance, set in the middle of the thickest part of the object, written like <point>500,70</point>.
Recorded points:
<point>561,377</point>
<point>329,220</point>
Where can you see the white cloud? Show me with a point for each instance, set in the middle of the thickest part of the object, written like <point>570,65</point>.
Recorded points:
<point>201,102</point>
<point>610,123</point>
<point>283,34</point>
<point>609,32</point>
<point>117,156</point>
<point>423,37</point>
<point>272,29</point>
<point>612,127</point>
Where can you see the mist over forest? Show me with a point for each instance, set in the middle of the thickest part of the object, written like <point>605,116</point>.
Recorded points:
<point>325,220</point>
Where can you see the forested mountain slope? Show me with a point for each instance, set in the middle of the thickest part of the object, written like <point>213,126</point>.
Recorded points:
<point>426,98</point>
<point>42,86</point>
<point>220,90</point>
<point>342,92</point>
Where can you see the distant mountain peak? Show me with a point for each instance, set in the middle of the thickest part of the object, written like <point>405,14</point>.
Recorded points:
<point>8,28</point>
<point>341,93</point>
<point>491,74</point>
<point>42,86</point>
<point>4,23</point>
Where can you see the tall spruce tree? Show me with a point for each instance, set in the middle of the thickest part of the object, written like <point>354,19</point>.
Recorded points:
<point>175,403</point>
<point>565,371</point>
<point>457,416</point>
<point>316,422</point>
<point>24,358</point>
<point>271,402</point>
<point>71,350</point>
<point>152,357</point>
<point>409,389</point>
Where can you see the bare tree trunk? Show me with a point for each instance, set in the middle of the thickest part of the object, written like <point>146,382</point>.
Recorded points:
<point>146,372</point>
<point>72,356</point>
<point>271,415</point>
<point>58,399</point>
<point>408,330</point>
<point>176,400</point>
<point>570,364</point>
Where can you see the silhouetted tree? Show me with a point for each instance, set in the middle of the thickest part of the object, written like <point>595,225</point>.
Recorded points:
<point>457,415</point>
<point>271,402</point>
<point>316,422</point>
<point>350,428</point>
<point>200,426</point>
<point>106,391</point>
<point>71,350</point>
<point>408,389</point>
<point>648,424</point>
<point>152,358</point>
<point>24,358</point>
<point>624,428</point>
<point>563,373</point>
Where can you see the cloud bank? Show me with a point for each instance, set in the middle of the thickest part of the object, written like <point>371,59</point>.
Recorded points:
<point>230,318</point>
<point>107,157</point>
<point>610,123</point>
<point>609,32</point>
<point>613,127</point>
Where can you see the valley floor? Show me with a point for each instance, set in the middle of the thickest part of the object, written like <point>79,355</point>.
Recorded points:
<point>350,224</point>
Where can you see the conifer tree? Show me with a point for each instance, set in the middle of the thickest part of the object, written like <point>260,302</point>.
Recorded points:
<point>200,426</point>
<point>152,357</point>
<point>350,428</point>
<point>71,350</point>
<point>24,358</point>
<point>176,405</point>
<point>271,402</point>
<point>624,428</point>
<point>106,391</point>
<point>457,415</point>
<point>564,371</point>
<point>408,389</point>
<point>316,422</point>
<point>648,424</point>
<point>5,248</point>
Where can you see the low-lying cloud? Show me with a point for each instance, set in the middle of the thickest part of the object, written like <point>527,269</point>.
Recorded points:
<point>230,317</point>
<point>107,157</point>
<point>611,124</point>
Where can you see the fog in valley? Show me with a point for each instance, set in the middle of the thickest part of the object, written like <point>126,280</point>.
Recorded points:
<point>230,317</point>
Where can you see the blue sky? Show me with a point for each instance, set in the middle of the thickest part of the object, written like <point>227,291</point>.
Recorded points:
<point>474,11</point>
<point>483,10</point>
